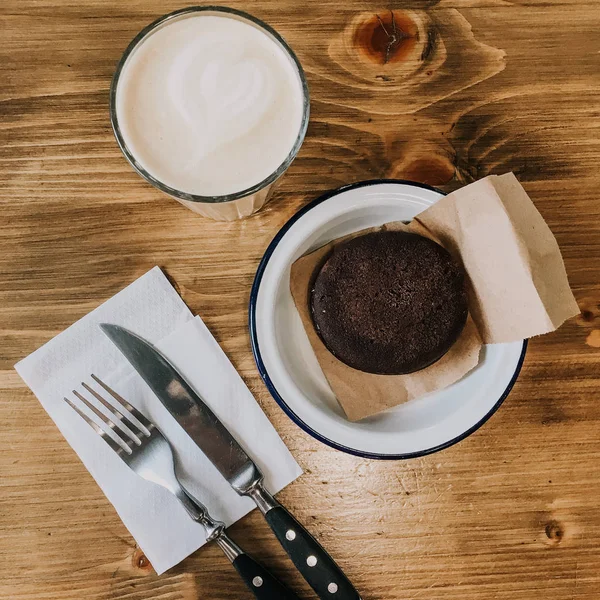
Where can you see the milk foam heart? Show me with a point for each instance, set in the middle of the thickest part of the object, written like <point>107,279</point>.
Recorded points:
<point>210,105</point>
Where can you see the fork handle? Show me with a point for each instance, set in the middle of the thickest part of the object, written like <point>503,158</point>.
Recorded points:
<point>261,582</point>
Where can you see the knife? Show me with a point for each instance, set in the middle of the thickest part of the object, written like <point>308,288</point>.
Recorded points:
<point>222,449</point>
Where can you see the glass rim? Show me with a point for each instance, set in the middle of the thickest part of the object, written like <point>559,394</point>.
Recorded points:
<point>180,195</point>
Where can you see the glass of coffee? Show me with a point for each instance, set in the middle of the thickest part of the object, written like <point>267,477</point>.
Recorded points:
<point>210,105</point>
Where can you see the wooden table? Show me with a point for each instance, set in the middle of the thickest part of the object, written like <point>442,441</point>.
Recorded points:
<point>463,89</point>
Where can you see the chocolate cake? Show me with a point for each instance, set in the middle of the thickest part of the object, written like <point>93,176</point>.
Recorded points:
<point>389,302</point>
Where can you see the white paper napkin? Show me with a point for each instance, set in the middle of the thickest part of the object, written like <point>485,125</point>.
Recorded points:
<point>151,308</point>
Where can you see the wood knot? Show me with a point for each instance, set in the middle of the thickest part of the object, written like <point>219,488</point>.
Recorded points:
<point>555,532</point>
<point>140,561</point>
<point>587,316</point>
<point>386,38</point>
<point>590,312</point>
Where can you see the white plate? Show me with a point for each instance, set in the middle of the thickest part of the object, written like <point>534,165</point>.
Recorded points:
<point>289,367</point>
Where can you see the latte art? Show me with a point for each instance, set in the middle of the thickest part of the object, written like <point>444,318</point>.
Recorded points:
<point>210,105</point>
<point>221,95</point>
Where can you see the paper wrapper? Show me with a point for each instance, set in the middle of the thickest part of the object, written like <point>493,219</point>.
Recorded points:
<point>518,289</point>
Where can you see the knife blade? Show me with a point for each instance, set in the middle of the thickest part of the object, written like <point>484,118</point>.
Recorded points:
<point>184,404</point>
<point>232,461</point>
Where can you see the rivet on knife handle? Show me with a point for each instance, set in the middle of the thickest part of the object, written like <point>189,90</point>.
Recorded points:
<point>310,558</point>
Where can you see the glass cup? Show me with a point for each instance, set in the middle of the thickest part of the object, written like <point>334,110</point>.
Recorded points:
<point>235,205</point>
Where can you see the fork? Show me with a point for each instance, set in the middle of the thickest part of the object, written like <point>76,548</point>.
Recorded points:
<point>145,450</point>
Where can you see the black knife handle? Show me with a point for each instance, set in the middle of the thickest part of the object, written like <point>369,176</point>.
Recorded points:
<point>261,582</point>
<point>310,558</point>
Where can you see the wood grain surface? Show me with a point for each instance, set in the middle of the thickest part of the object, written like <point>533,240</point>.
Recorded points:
<point>460,89</point>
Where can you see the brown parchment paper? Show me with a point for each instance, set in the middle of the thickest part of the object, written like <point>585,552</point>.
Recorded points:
<point>519,289</point>
<point>518,277</point>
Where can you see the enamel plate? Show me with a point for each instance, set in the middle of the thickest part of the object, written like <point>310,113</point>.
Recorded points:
<point>289,367</point>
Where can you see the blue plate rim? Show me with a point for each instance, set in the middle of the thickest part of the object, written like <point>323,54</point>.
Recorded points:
<point>270,385</point>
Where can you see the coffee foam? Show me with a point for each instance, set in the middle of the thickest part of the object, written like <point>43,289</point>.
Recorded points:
<point>209,105</point>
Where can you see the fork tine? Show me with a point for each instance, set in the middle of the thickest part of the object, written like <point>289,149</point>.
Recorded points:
<point>114,445</point>
<point>122,433</point>
<point>125,421</point>
<point>131,409</point>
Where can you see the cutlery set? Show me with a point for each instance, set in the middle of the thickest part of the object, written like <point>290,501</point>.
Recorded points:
<point>142,446</point>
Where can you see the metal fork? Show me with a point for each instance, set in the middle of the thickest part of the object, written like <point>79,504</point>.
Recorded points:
<point>146,451</point>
